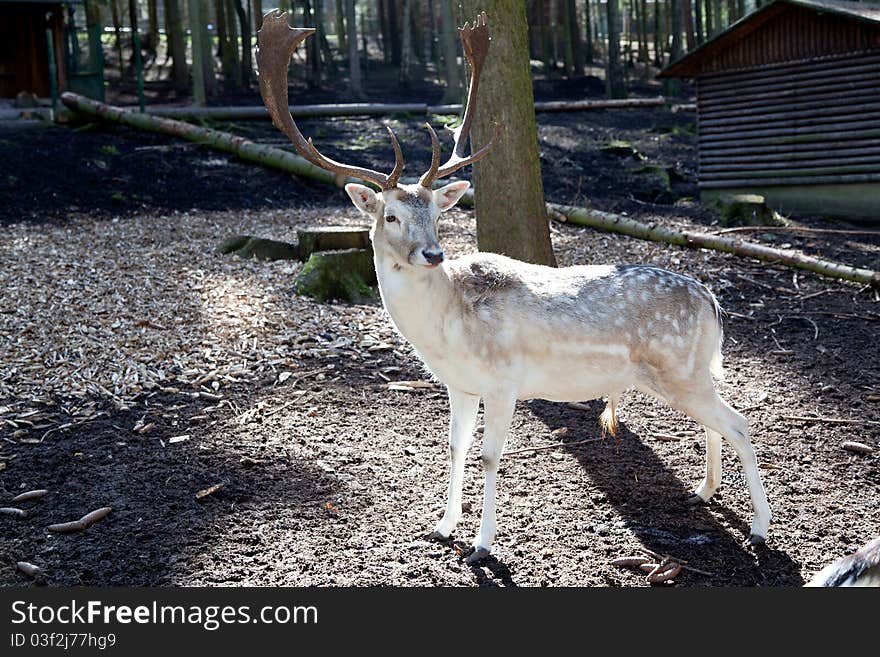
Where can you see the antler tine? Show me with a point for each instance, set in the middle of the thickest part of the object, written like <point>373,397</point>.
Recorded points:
<point>475,43</point>
<point>431,174</point>
<point>276,42</point>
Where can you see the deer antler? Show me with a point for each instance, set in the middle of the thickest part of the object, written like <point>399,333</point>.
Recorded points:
<point>475,42</point>
<point>276,42</point>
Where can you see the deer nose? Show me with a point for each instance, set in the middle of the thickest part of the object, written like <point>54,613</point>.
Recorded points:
<point>433,257</point>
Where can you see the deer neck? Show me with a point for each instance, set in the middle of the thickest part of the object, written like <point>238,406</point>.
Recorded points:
<point>414,298</point>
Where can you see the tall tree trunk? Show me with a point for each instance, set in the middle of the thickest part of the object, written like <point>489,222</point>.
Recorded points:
<point>152,40</point>
<point>567,44</point>
<point>232,45</point>
<point>117,33</point>
<point>355,87</point>
<point>731,12</point>
<point>710,18</point>
<point>644,57</point>
<point>614,83</point>
<point>688,17</point>
<point>509,193</point>
<point>341,33</point>
<point>176,45</point>
<point>699,31</point>
<point>224,50</point>
<point>313,55</point>
<point>717,23</point>
<point>589,55</point>
<point>672,87</point>
<point>448,35</point>
<point>207,41</point>
<point>324,46</point>
<point>394,29</point>
<point>406,54</point>
<point>576,42</point>
<point>544,35</point>
<point>429,33</point>
<point>658,34</point>
<point>244,24</point>
<point>258,14</point>
<point>384,30</point>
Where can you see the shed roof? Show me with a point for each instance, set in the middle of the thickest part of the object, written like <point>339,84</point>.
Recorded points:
<point>691,63</point>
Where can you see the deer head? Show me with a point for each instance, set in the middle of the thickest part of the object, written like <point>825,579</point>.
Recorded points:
<point>405,216</point>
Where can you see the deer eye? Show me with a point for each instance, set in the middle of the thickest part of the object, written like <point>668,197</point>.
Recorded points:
<point>390,218</point>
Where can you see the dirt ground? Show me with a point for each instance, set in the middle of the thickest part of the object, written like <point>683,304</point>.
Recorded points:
<point>330,478</point>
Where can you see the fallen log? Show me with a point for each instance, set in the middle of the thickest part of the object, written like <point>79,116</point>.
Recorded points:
<point>278,158</point>
<point>252,112</point>
<point>225,142</point>
<point>692,240</point>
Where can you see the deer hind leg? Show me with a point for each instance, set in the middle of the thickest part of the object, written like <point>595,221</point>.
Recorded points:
<point>704,405</point>
<point>498,412</point>
<point>712,480</point>
<point>462,418</point>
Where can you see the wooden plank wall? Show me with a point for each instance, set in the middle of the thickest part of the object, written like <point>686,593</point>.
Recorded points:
<point>795,34</point>
<point>810,122</point>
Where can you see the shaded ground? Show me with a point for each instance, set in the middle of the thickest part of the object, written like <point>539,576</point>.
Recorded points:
<point>330,478</point>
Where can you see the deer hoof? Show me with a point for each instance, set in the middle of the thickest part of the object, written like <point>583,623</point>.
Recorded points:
<point>694,500</point>
<point>757,539</point>
<point>476,556</point>
<point>436,536</point>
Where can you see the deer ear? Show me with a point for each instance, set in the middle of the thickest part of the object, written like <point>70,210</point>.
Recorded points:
<point>448,196</point>
<point>364,198</point>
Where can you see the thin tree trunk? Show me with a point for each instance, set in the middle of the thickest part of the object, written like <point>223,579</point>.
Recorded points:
<point>688,17</point>
<point>210,70</point>
<point>644,56</point>
<point>509,193</point>
<point>394,31</point>
<point>117,33</point>
<point>354,63</point>
<point>341,34</point>
<point>672,87</point>
<point>232,45</point>
<point>198,51</point>
<point>176,45</point>
<point>589,55</point>
<point>406,54</point>
<point>313,56</point>
<point>258,14</point>
<point>567,43</point>
<point>448,33</point>
<point>224,51</point>
<point>710,19</point>
<point>614,83</point>
<point>152,40</point>
<point>324,46</point>
<point>658,34</point>
<point>717,22</point>
<point>384,30</point>
<point>247,64</point>
<point>699,31</point>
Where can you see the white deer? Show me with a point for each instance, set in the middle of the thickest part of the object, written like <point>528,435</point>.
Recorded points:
<point>497,329</point>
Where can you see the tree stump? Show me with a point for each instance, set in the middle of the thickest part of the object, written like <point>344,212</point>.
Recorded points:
<point>746,210</point>
<point>343,274</point>
<point>247,246</point>
<point>331,238</point>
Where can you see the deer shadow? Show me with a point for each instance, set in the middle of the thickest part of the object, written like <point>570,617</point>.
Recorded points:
<point>656,510</point>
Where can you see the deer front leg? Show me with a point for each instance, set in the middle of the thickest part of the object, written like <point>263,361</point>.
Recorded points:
<point>498,412</point>
<point>462,418</point>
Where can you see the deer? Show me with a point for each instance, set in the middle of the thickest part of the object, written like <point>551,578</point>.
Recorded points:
<point>499,330</point>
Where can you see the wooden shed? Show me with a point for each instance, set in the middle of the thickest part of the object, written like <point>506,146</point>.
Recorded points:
<point>25,27</point>
<point>788,106</point>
